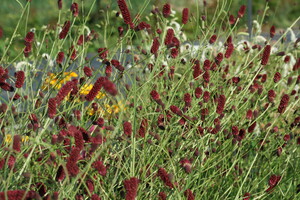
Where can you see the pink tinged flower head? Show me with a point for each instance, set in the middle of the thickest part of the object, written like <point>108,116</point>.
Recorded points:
<point>212,39</point>
<point>17,143</point>
<point>95,89</point>
<point>29,37</point>
<point>221,104</point>
<point>266,55</point>
<point>189,194</point>
<point>71,165</point>
<point>74,9</point>
<point>20,76</point>
<point>100,167</point>
<point>164,176</point>
<point>155,46</point>
<point>125,13</point>
<point>166,10</point>
<point>185,16</point>
<point>283,103</point>
<point>241,11</point>
<point>127,127</point>
<point>52,107</point>
<point>272,31</point>
<point>65,30</point>
<point>131,187</point>
<point>277,77</point>
<point>60,57</point>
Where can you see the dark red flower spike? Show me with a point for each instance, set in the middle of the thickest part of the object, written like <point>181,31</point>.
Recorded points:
<point>185,16</point>
<point>125,13</point>
<point>166,10</point>
<point>131,187</point>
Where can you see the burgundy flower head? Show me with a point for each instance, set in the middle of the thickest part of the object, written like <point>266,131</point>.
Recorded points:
<point>20,75</point>
<point>131,187</point>
<point>60,57</point>
<point>273,181</point>
<point>155,46</point>
<point>125,13</point>
<point>166,10</point>
<point>74,9</point>
<point>127,128</point>
<point>65,30</point>
<point>266,55</point>
<point>162,173</point>
<point>283,103</point>
<point>29,37</point>
<point>185,15</point>
<point>272,31</point>
<point>241,11</point>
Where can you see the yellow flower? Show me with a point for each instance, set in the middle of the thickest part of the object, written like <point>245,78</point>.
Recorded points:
<point>86,88</point>
<point>8,138</point>
<point>53,81</point>
<point>107,110</point>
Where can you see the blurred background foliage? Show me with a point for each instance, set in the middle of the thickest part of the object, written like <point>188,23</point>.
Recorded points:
<point>44,12</point>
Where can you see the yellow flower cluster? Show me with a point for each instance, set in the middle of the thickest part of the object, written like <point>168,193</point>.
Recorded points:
<point>107,110</point>
<point>8,138</point>
<point>86,88</point>
<point>52,81</point>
